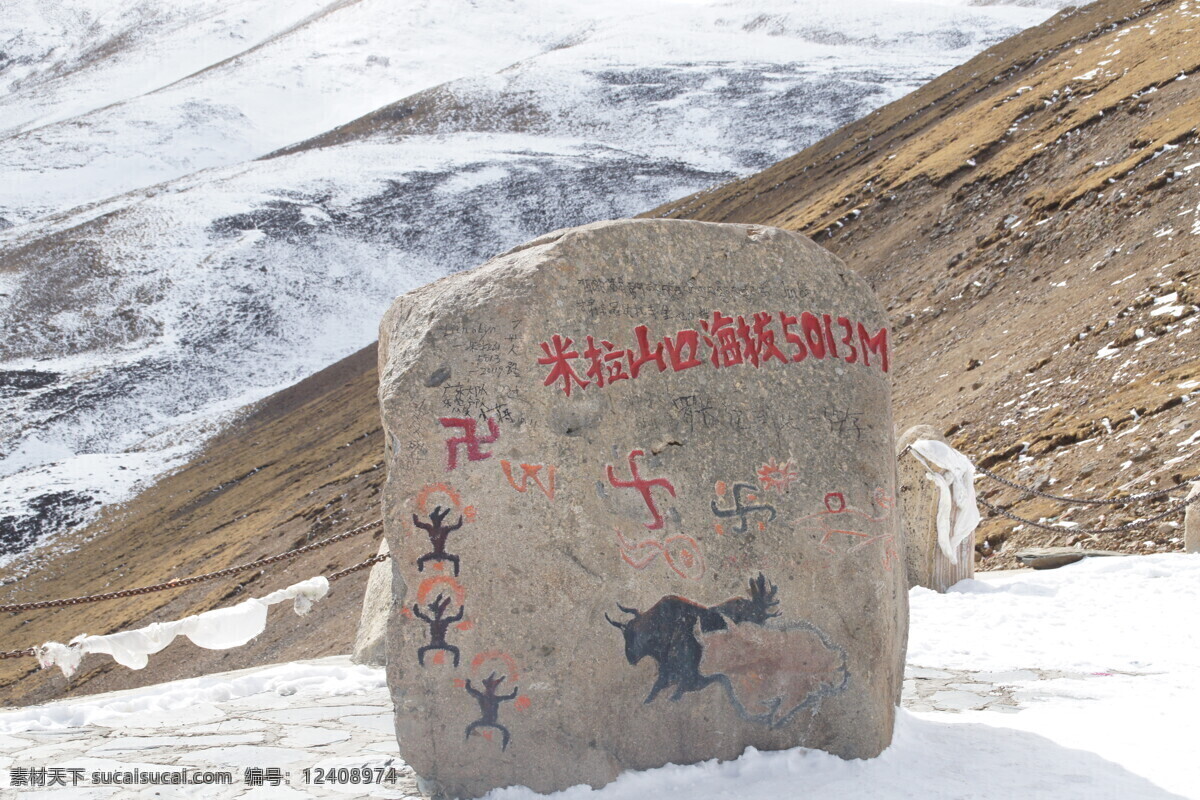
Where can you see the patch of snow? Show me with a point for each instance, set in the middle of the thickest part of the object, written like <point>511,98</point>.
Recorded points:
<point>129,708</point>
<point>1100,660</point>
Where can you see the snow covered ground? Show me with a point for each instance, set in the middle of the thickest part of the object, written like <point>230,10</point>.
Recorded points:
<point>155,274</point>
<point>1073,683</point>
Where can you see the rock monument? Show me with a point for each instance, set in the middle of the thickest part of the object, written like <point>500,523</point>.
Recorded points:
<point>641,502</point>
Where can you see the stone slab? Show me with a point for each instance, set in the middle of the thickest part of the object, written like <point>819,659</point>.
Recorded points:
<point>1054,557</point>
<point>370,643</point>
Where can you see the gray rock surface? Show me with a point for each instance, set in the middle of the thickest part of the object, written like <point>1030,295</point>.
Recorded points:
<point>924,560</point>
<point>370,643</point>
<point>641,502</point>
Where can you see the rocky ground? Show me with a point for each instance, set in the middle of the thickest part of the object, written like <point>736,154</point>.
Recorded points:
<point>291,731</point>
<point>279,731</point>
<point>1032,220</point>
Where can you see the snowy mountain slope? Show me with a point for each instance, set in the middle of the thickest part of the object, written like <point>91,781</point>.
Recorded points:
<point>240,290</point>
<point>133,322</point>
<point>1048,305</point>
<point>111,110</point>
<point>318,65</point>
<point>62,59</point>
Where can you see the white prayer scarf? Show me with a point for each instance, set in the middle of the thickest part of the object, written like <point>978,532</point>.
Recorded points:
<point>954,474</point>
<point>219,629</point>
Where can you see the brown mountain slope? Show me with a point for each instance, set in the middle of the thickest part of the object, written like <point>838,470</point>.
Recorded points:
<point>302,465</point>
<point>1032,219</point>
<point>1023,290</point>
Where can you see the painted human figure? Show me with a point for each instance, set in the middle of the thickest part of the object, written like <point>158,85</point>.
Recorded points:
<point>489,707</point>
<point>438,533</point>
<point>838,517</point>
<point>439,623</point>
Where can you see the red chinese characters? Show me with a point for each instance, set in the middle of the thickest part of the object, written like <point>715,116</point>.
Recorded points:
<point>560,357</point>
<point>722,341</point>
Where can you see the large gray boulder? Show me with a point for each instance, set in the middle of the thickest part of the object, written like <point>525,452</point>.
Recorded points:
<point>640,497</point>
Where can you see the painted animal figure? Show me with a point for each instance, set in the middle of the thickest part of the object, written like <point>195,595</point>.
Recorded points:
<point>667,633</point>
<point>773,673</point>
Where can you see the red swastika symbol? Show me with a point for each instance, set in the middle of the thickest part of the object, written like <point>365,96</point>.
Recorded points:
<point>469,439</point>
<point>643,486</point>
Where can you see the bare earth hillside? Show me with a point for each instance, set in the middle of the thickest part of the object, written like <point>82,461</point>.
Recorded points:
<point>1031,219</point>
<point>304,464</point>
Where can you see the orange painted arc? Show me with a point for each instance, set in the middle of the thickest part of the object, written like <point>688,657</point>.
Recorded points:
<point>428,586</point>
<point>495,655</point>
<point>423,496</point>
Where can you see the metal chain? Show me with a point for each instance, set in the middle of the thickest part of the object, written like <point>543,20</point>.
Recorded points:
<point>1128,526</point>
<point>222,573</point>
<point>1116,501</point>
<point>29,651</point>
<point>370,562</point>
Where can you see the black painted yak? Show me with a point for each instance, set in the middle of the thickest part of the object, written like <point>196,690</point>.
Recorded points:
<point>666,632</point>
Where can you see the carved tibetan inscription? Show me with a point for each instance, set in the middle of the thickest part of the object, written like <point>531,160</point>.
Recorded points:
<point>641,498</point>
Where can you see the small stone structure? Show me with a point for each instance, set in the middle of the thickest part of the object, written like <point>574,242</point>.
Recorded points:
<point>640,500</point>
<point>1191,523</point>
<point>924,560</point>
<point>370,644</point>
